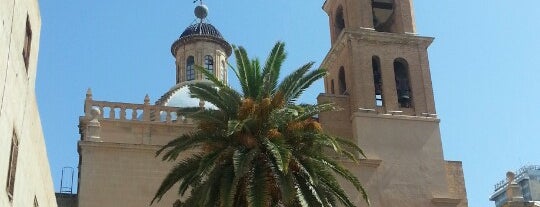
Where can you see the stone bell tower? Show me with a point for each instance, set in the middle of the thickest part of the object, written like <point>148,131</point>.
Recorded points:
<point>380,76</point>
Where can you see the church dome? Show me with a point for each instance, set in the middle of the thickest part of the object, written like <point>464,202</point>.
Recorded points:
<point>201,31</point>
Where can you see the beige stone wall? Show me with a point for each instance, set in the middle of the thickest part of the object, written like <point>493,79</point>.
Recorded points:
<point>456,181</point>
<point>18,108</point>
<point>341,119</point>
<point>354,51</point>
<point>412,170</point>
<point>358,14</point>
<point>120,175</point>
<point>405,165</point>
<point>199,50</point>
<point>120,168</point>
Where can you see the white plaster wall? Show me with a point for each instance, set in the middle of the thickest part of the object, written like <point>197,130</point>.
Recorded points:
<point>18,108</point>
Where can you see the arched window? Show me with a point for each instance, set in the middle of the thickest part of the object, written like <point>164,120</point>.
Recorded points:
<point>377,80</point>
<point>177,74</point>
<point>403,87</point>
<point>332,87</point>
<point>190,70</point>
<point>383,15</point>
<point>341,81</point>
<point>209,64</point>
<point>339,21</point>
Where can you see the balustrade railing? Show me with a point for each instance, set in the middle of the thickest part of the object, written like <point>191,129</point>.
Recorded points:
<point>135,112</point>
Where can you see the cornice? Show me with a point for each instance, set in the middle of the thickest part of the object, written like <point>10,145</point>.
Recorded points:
<point>110,145</point>
<point>196,38</point>
<point>395,116</point>
<point>367,35</point>
<point>445,201</point>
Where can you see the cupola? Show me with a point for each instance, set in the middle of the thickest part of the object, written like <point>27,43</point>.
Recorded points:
<point>200,44</point>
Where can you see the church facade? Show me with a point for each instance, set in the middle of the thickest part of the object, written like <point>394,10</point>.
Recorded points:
<point>379,75</point>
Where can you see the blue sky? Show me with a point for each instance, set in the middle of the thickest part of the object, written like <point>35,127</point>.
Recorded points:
<point>484,66</point>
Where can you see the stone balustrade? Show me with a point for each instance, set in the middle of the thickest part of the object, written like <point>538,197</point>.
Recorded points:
<point>134,112</point>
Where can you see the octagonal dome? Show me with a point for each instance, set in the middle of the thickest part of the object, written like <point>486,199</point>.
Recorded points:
<point>201,31</point>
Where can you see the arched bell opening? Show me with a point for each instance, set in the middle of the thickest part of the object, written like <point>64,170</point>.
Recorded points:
<point>383,15</point>
<point>403,87</point>
<point>377,80</point>
<point>339,21</point>
<point>341,81</point>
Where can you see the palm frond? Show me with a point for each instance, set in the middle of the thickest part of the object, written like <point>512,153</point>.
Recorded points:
<point>259,194</point>
<point>242,69</point>
<point>310,111</point>
<point>289,85</point>
<point>210,76</point>
<point>272,67</point>
<point>182,144</point>
<point>306,81</point>
<point>176,175</point>
<point>343,172</point>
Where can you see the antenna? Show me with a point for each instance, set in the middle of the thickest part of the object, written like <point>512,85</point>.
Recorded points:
<point>67,187</point>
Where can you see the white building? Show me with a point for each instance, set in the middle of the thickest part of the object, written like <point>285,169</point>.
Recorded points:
<point>25,178</point>
<point>521,188</point>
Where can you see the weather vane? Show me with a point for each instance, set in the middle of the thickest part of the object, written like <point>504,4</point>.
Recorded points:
<point>197,1</point>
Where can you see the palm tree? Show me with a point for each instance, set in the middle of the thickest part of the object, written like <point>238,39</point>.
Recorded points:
<point>259,149</point>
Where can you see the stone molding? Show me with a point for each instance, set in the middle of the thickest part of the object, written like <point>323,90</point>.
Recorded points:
<point>110,145</point>
<point>396,116</point>
<point>371,36</point>
<point>445,202</point>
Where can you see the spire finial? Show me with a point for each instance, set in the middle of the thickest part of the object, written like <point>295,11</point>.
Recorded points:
<point>146,99</point>
<point>89,94</point>
<point>201,11</point>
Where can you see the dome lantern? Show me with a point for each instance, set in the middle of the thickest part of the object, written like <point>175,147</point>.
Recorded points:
<point>200,44</point>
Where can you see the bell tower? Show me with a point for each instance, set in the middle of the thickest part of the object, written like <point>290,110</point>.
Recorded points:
<point>395,16</point>
<point>379,75</point>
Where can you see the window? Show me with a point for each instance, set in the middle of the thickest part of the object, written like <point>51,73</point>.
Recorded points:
<point>377,80</point>
<point>383,15</point>
<point>190,70</point>
<point>27,44</point>
<point>339,21</point>
<point>12,170</point>
<point>403,88</point>
<point>209,64</point>
<point>177,74</point>
<point>341,82</point>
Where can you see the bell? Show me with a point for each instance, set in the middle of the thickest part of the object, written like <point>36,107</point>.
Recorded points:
<point>404,95</point>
